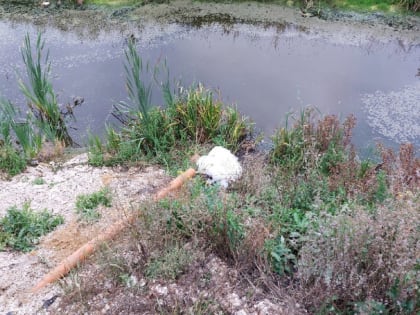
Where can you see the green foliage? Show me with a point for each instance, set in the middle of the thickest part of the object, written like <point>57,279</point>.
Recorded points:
<point>96,151</point>
<point>288,145</point>
<point>38,181</point>
<point>11,161</point>
<point>14,127</point>
<point>381,192</point>
<point>365,260</point>
<point>86,205</point>
<point>281,257</point>
<point>169,264</point>
<point>191,118</point>
<point>23,135</point>
<point>39,92</point>
<point>21,228</point>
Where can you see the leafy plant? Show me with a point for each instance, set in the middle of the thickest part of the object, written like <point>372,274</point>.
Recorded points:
<point>86,204</point>
<point>21,228</point>
<point>11,161</point>
<point>169,264</point>
<point>280,256</point>
<point>360,256</point>
<point>38,181</point>
<point>191,118</point>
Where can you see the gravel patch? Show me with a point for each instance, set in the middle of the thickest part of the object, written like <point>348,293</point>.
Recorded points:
<point>62,184</point>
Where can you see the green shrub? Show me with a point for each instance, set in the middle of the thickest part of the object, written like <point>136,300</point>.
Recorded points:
<point>309,144</point>
<point>86,204</point>
<point>21,228</point>
<point>11,161</point>
<point>359,257</point>
<point>191,118</point>
<point>170,263</point>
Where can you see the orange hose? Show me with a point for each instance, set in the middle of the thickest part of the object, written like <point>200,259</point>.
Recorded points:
<point>176,183</point>
<point>84,251</point>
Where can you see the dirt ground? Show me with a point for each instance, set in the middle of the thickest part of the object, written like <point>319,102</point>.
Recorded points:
<point>62,184</point>
<point>209,284</point>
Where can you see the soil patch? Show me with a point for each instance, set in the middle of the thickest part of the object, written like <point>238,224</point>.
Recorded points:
<point>62,183</point>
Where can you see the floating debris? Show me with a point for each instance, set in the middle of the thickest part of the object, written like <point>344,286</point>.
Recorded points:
<point>395,115</point>
<point>220,165</point>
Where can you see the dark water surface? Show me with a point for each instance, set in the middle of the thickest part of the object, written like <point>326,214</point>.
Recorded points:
<point>266,72</point>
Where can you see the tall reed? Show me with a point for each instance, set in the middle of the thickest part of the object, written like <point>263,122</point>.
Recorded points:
<point>39,93</point>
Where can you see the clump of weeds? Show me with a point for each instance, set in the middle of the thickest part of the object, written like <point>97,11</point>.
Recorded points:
<point>87,204</point>
<point>20,229</point>
<point>190,118</point>
<point>42,132</point>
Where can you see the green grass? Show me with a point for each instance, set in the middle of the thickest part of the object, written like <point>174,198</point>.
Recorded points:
<point>22,135</point>
<point>387,6</point>
<point>11,161</point>
<point>20,229</point>
<point>189,119</point>
<point>113,3</point>
<point>171,263</point>
<point>38,181</point>
<point>40,95</point>
<point>87,204</point>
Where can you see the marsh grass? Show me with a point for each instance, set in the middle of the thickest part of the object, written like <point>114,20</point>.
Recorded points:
<point>39,92</point>
<point>189,119</point>
<point>25,135</point>
<point>21,228</point>
<point>365,258</point>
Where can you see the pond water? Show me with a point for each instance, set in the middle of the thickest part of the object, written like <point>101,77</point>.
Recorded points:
<point>266,71</point>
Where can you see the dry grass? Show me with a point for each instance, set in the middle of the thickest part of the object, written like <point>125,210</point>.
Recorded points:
<point>360,256</point>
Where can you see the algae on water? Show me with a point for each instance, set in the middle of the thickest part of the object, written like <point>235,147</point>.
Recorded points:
<point>396,114</point>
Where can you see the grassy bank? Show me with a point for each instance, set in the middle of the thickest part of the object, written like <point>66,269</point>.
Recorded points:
<point>308,223</point>
<point>387,6</point>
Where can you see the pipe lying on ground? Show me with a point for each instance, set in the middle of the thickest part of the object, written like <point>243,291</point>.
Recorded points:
<point>84,251</point>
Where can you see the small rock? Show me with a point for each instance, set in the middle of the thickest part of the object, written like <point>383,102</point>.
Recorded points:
<point>161,290</point>
<point>234,300</point>
<point>47,303</point>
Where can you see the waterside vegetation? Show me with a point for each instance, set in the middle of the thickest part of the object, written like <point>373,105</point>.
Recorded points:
<point>26,137</point>
<point>388,6</point>
<point>314,223</point>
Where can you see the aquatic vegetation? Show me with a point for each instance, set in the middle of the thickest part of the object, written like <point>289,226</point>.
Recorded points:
<point>193,117</point>
<point>41,97</point>
<point>23,136</point>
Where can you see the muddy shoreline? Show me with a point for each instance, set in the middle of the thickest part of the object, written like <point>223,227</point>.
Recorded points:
<point>88,21</point>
